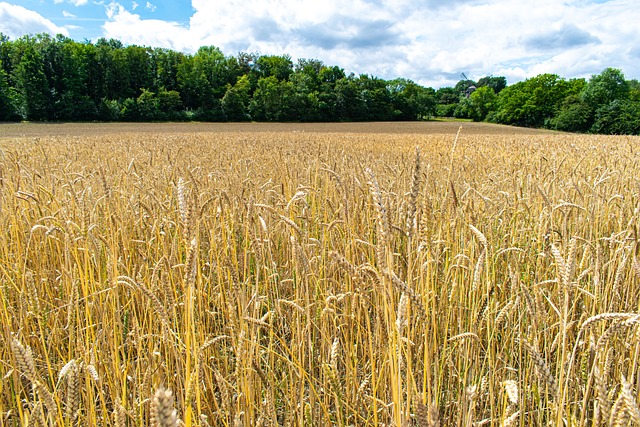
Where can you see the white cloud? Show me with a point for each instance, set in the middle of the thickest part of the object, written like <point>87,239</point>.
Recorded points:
<point>422,41</point>
<point>68,14</point>
<point>129,28</point>
<point>134,5</point>
<point>73,2</point>
<point>150,6</point>
<point>16,21</point>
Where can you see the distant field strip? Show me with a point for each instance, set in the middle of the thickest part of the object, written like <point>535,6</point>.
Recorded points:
<point>361,274</point>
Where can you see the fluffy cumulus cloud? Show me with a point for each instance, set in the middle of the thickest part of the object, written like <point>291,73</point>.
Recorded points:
<point>129,28</point>
<point>423,41</point>
<point>16,21</point>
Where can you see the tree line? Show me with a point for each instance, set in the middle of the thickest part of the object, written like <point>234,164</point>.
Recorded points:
<point>45,78</point>
<point>56,78</point>
<point>606,103</point>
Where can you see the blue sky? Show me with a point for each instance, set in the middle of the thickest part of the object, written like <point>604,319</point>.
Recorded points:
<point>429,41</point>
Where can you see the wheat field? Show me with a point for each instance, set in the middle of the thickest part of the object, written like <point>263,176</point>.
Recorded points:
<point>299,276</point>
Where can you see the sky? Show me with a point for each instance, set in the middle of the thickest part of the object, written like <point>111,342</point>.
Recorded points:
<point>431,42</point>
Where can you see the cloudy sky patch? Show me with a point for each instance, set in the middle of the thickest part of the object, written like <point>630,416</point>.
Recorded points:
<point>566,37</point>
<point>429,41</point>
<point>16,21</point>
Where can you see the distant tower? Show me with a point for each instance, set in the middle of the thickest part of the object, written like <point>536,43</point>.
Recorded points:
<point>469,90</point>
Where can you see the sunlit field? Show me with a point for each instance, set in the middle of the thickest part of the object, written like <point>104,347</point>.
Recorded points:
<point>314,275</point>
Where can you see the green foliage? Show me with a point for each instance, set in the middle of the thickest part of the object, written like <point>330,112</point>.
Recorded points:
<point>375,98</point>
<point>464,87</point>
<point>447,95</point>
<point>280,67</point>
<point>464,109</point>
<point>7,111</point>
<point>169,105</point>
<point>634,90</point>
<point>32,89</point>
<point>619,117</point>
<point>533,102</point>
<point>274,100</point>
<point>410,100</point>
<point>483,102</point>
<point>148,106</point>
<point>605,87</point>
<point>235,103</point>
<point>574,116</point>
<point>110,110</point>
<point>55,78</point>
<point>445,110</point>
<point>495,83</point>
<point>129,111</point>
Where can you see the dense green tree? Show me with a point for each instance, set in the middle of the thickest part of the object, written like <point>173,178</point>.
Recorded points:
<point>619,117</point>
<point>188,83</point>
<point>532,102</point>
<point>446,100</point>
<point>447,95</point>
<point>211,73</point>
<point>235,103</point>
<point>6,47</point>
<point>375,98</point>
<point>148,106</point>
<point>169,104</point>
<point>575,115</point>
<point>203,80</point>
<point>464,109</point>
<point>129,110</point>
<point>274,100</point>
<point>483,102</point>
<point>410,100</point>
<point>280,67</point>
<point>96,65</point>
<point>74,101</point>
<point>348,104</point>
<point>167,63</point>
<point>33,97</point>
<point>314,85</point>
<point>110,110</point>
<point>424,102</point>
<point>7,111</point>
<point>141,73</point>
<point>118,76</point>
<point>495,83</point>
<point>328,96</point>
<point>605,87</point>
<point>634,90</point>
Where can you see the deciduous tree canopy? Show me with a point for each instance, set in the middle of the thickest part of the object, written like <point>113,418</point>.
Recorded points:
<point>56,78</point>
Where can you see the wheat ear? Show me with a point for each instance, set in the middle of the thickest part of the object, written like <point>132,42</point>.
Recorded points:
<point>412,224</point>
<point>541,368</point>
<point>24,359</point>
<point>163,414</point>
<point>381,247</point>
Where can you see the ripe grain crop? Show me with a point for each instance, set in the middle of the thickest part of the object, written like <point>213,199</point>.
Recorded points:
<point>345,278</point>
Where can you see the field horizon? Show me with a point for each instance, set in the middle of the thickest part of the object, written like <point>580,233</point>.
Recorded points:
<point>33,129</point>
